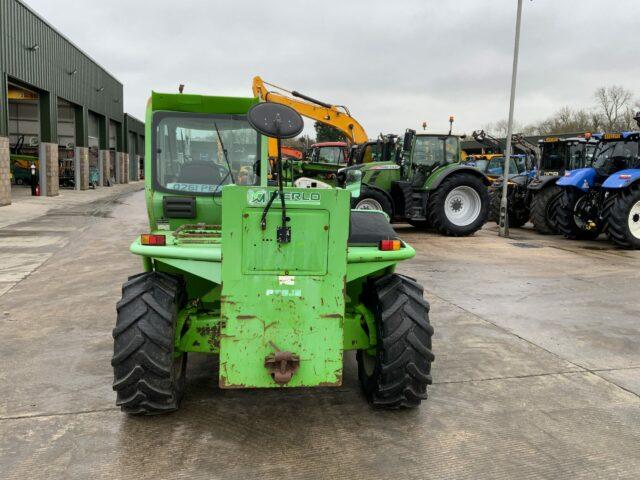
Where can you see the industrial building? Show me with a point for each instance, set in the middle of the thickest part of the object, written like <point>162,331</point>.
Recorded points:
<point>59,111</point>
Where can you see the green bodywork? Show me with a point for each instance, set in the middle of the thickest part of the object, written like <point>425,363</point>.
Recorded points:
<point>248,295</point>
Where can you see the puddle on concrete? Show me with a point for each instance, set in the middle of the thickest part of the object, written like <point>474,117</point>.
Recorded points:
<point>526,245</point>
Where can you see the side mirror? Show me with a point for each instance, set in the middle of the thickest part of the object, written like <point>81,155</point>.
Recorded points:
<point>350,179</point>
<point>275,121</point>
<point>354,182</point>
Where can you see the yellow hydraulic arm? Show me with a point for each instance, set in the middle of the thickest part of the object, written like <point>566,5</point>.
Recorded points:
<point>336,116</point>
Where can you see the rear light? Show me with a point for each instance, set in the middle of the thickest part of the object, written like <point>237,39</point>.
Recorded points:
<point>387,245</point>
<point>567,174</point>
<point>150,239</point>
<point>625,176</point>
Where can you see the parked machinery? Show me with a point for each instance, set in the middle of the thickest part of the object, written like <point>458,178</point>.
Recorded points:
<point>557,155</point>
<point>421,180</point>
<point>518,208</point>
<point>606,195</point>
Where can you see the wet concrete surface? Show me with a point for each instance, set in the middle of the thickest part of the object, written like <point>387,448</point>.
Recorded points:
<point>536,374</point>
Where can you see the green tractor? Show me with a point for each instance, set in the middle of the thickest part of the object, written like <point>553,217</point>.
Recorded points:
<point>277,281</point>
<point>420,179</point>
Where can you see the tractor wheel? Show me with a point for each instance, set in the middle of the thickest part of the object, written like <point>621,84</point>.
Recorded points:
<point>148,378</point>
<point>517,218</point>
<point>459,206</point>
<point>397,375</point>
<point>542,215</point>
<point>623,219</point>
<point>371,199</point>
<point>571,223</point>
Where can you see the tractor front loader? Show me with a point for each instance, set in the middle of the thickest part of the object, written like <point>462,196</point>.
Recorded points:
<point>276,279</point>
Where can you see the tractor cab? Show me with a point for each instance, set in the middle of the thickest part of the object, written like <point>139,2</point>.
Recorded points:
<point>560,154</point>
<point>492,164</point>
<point>324,160</point>
<point>615,152</point>
<point>428,152</point>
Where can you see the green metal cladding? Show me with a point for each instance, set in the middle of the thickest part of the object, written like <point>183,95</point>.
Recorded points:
<point>35,54</point>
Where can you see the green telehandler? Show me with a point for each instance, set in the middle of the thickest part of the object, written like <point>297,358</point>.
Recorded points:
<point>277,280</point>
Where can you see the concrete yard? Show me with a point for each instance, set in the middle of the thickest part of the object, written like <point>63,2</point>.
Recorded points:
<point>537,371</point>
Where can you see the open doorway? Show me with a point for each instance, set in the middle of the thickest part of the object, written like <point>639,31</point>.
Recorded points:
<point>66,144</point>
<point>24,137</point>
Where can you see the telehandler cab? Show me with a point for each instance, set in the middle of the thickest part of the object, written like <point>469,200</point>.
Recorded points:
<point>277,280</point>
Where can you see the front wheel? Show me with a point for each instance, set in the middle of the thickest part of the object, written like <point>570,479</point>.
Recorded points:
<point>577,216</point>
<point>371,199</point>
<point>623,219</point>
<point>459,206</point>
<point>396,375</point>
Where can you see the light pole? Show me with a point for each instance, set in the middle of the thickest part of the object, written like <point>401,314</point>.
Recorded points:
<point>504,219</point>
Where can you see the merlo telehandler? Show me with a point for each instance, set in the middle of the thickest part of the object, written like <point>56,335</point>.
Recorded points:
<point>276,279</point>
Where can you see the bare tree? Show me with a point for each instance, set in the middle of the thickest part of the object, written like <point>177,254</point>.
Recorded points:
<point>612,103</point>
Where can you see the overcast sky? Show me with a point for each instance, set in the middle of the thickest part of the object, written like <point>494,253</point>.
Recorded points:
<point>394,64</point>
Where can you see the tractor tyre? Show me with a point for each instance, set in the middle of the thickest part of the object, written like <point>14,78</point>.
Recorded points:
<point>420,224</point>
<point>516,218</point>
<point>494,206</point>
<point>542,213</point>
<point>397,375</point>
<point>623,219</point>
<point>567,219</point>
<point>459,206</point>
<point>148,378</point>
<point>372,199</point>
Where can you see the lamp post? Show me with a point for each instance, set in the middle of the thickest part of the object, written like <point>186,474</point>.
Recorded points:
<point>504,219</point>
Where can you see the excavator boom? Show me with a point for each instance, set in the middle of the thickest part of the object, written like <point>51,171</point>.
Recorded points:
<point>333,115</point>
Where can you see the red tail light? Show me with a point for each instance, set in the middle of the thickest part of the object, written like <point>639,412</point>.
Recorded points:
<point>625,176</point>
<point>149,239</point>
<point>387,245</point>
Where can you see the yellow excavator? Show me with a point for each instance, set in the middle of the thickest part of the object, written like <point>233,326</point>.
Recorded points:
<point>336,116</point>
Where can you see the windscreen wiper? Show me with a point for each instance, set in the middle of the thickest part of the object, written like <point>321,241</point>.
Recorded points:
<point>224,152</point>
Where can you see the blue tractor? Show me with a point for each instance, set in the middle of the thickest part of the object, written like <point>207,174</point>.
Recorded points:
<point>605,196</point>
<point>557,155</point>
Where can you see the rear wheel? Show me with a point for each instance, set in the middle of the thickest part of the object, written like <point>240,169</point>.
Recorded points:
<point>371,199</point>
<point>542,212</point>
<point>148,375</point>
<point>576,217</point>
<point>397,374</point>
<point>623,219</point>
<point>459,206</point>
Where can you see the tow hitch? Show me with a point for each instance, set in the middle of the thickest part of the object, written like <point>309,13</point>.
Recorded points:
<point>282,366</point>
